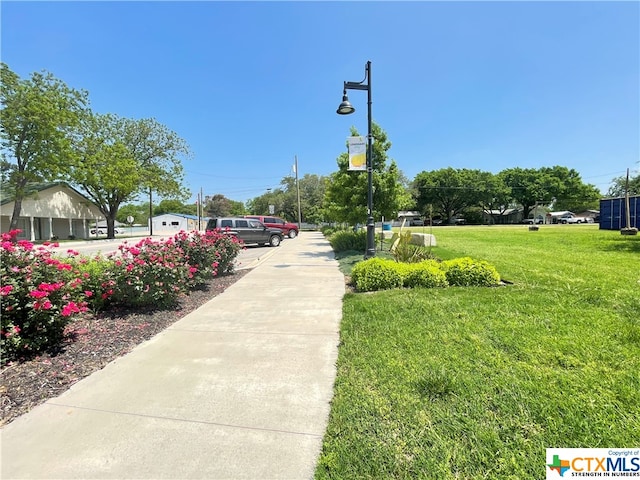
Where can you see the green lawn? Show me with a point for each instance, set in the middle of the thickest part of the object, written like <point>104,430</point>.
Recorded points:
<point>475,383</point>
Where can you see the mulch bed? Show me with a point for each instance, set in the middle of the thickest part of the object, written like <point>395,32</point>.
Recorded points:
<point>91,342</point>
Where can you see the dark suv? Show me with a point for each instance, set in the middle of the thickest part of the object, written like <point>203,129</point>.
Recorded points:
<point>288,229</point>
<point>248,230</point>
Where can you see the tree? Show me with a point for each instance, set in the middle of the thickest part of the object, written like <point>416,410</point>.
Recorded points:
<point>569,191</point>
<point>311,197</point>
<point>117,159</point>
<point>103,167</point>
<point>217,206</point>
<point>171,205</point>
<point>618,186</point>
<point>557,186</point>
<point>346,191</point>
<point>260,205</point>
<point>495,194</point>
<point>451,190</point>
<point>285,199</point>
<point>529,187</point>
<point>38,116</point>
<point>158,152</point>
<point>237,208</point>
<point>140,213</point>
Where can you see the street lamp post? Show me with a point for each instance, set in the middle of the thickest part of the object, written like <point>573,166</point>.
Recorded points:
<point>346,108</point>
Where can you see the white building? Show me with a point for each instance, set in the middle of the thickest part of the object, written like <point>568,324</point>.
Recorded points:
<point>171,223</point>
<point>49,211</point>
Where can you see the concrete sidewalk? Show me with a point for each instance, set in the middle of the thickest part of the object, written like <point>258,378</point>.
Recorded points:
<point>238,389</point>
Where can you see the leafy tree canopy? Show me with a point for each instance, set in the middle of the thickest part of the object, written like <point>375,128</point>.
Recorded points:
<point>618,187</point>
<point>451,190</point>
<point>346,191</point>
<point>38,117</point>
<point>116,159</point>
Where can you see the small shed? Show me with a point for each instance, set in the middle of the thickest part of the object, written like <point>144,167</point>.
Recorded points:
<point>613,213</point>
<point>174,222</point>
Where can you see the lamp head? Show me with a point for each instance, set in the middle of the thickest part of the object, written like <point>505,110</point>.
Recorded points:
<point>345,107</point>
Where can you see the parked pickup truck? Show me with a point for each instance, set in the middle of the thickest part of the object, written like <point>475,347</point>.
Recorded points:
<point>571,218</point>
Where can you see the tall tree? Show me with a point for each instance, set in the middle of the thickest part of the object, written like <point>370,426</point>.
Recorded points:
<point>450,191</point>
<point>569,191</point>
<point>311,197</point>
<point>172,205</point>
<point>217,206</point>
<point>529,186</point>
<point>260,205</point>
<point>38,116</point>
<point>117,159</point>
<point>558,186</point>
<point>103,167</point>
<point>158,151</point>
<point>346,191</point>
<point>618,186</point>
<point>495,194</point>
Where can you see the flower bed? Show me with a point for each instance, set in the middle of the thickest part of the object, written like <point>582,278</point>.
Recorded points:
<point>40,293</point>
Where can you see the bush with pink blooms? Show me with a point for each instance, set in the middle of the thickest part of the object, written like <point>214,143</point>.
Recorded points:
<point>208,254</point>
<point>40,293</point>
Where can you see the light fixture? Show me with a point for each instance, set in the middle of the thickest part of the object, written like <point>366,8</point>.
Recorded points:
<point>346,108</point>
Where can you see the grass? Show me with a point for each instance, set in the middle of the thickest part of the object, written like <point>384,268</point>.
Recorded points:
<point>475,383</point>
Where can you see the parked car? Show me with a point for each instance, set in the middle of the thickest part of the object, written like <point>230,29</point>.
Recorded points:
<point>416,222</point>
<point>571,218</point>
<point>103,231</point>
<point>288,229</point>
<point>249,230</point>
<point>531,221</point>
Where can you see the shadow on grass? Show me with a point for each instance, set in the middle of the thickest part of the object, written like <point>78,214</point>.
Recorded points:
<point>623,244</point>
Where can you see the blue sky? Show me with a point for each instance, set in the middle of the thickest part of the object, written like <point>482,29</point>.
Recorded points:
<point>250,85</point>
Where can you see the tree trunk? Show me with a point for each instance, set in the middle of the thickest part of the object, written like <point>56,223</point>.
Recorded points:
<point>17,208</point>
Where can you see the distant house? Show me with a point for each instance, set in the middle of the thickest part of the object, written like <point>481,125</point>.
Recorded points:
<point>500,217</point>
<point>175,222</point>
<point>50,210</point>
<point>595,214</point>
<point>407,215</point>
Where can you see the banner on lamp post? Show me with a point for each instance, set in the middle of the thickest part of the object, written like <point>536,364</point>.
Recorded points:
<point>357,153</point>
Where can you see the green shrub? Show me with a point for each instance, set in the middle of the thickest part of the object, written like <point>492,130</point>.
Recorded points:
<point>343,241</point>
<point>376,274</point>
<point>466,272</point>
<point>327,230</point>
<point>92,271</point>
<point>426,274</point>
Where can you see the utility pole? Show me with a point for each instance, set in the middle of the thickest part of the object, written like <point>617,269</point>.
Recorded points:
<point>295,167</point>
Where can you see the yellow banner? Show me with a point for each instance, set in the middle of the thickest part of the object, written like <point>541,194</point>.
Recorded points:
<point>357,153</point>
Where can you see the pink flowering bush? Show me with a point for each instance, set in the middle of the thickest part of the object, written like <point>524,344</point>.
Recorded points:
<point>148,274</point>
<point>208,254</point>
<point>39,294</point>
<point>96,284</point>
